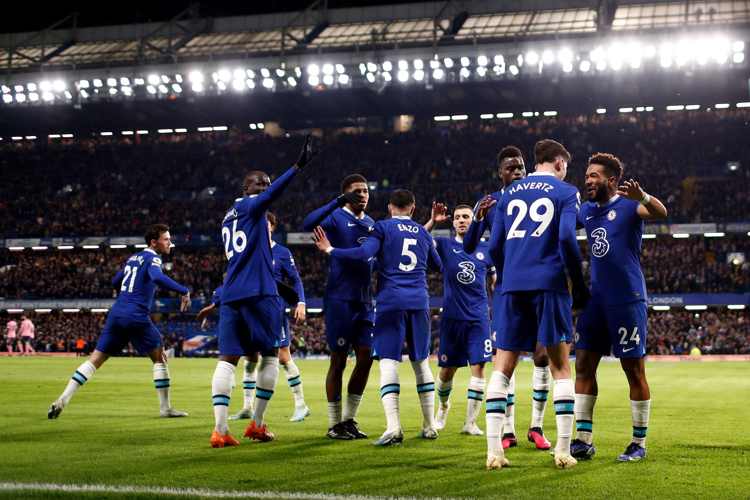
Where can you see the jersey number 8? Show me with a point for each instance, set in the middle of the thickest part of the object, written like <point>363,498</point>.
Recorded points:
<point>235,238</point>
<point>544,217</point>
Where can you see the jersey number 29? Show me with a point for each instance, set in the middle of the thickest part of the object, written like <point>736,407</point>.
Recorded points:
<point>542,211</point>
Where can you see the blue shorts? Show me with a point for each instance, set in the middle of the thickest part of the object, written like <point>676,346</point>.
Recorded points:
<point>250,325</point>
<point>119,330</point>
<point>525,318</point>
<point>286,332</point>
<point>620,329</point>
<point>464,342</point>
<point>393,328</point>
<point>348,324</point>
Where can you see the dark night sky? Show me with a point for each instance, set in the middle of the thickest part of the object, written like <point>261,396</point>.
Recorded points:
<point>31,16</point>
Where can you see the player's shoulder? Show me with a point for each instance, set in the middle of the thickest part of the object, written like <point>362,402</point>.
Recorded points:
<point>283,251</point>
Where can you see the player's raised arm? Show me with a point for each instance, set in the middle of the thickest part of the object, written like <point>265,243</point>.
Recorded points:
<point>570,252</point>
<point>479,224</point>
<point>438,214</point>
<point>164,281</point>
<point>497,240</point>
<point>366,251</point>
<point>650,207</point>
<point>317,216</point>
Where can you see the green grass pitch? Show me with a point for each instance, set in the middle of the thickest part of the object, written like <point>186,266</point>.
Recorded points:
<point>698,442</point>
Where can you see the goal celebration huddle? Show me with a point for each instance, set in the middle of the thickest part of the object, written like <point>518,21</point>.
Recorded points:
<point>514,292</point>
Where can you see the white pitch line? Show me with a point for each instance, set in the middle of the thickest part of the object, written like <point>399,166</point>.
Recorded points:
<point>190,492</point>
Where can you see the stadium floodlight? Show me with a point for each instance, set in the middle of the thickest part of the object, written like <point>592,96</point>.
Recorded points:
<point>239,85</point>
<point>152,80</point>
<point>482,71</point>
<point>328,80</point>
<point>441,118</point>
<point>738,46</point>
<point>127,132</point>
<point>648,236</point>
<point>482,60</point>
<point>151,89</point>
<point>692,107</point>
<point>83,94</point>
<point>513,69</point>
<point>372,67</point>
<point>550,113</point>
<point>128,91</point>
<point>417,64</point>
<point>660,308</point>
<point>418,75</point>
<point>180,130</point>
<point>141,132</point>
<point>499,69</point>
<point>743,104</point>
<point>487,116</point>
<point>548,57</point>
<point>250,84</point>
<point>601,65</point>
<point>448,62</point>
<point>124,81</point>
<point>31,87</point>
<point>20,97</point>
<point>738,57</point>
<point>714,235</point>
<point>59,86</point>
<point>48,96</point>
<point>97,82</point>
<point>565,55</point>
<point>328,69</point>
<point>268,83</point>
<point>17,138</point>
<point>567,67</point>
<point>387,66</point>
<point>532,57</point>
<point>527,114</point>
<point>499,60</point>
<point>370,77</point>
<point>665,55</point>
<point>7,98</point>
<point>457,118</point>
<point>675,107</point>
<point>103,134</point>
<point>112,82</point>
<point>239,74</point>
<point>680,236</point>
<point>340,69</point>
<point>139,81</point>
<point>44,86</point>
<point>697,307</point>
<point>504,115</point>
<point>261,126</point>
<point>313,80</point>
<point>465,61</point>
<point>197,87</point>
<point>403,65</point>
<point>112,91</point>
<point>223,75</point>
<point>265,73</point>
<point>723,105</point>
<point>33,96</point>
<point>67,136</point>
<point>68,95</point>
<point>250,73</point>
<point>165,130</point>
<point>465,73</point>
<point>343,79</point>
<point>434,63</point>
<point>438,74</point>
<point>19,88</point>
<point>625,110</point>
<point>601,111</point>
<point>164,79</point>
<point>387,76</point>
<point>362,69</point>
<point>221,85</point>
<point>291,81</point>
<point>54,136</point>
<point>176,88</point>
<point>402,76</point>
<point>6,89</point>
<point>733,307</point>
<point>163,89</point>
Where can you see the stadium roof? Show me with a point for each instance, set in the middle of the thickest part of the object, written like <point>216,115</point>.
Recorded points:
<point>189,37</point>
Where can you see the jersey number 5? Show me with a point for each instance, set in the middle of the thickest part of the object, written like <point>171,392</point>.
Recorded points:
<point>544,216</point>
<point>405,252</point>
<point>234,238</point>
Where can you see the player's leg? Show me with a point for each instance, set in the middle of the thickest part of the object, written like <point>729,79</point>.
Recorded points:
<point>265,319</point>
<point>82,375</point>
<point>555,331</point>
<point>540,386</point>
<point>496,405</point>
<point>233,342</point>
<point>629,344</point>
<point>294,380</point>
<point>477,350</point>
<point>509,425</point>
<point>418,341</point>
<point>162,383</point>
<point>389,335</point>
<point>449,349</point>
<point>358,379</point>
<point>338,320</point>
<point>249,381</point>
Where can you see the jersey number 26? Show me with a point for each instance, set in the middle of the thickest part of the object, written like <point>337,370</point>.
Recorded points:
<point>235,240</point>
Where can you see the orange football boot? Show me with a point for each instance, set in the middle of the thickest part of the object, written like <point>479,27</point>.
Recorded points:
<point>219,441</point>
<point>259,432</point>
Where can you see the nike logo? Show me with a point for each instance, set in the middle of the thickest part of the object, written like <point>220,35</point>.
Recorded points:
<point>628,350</point>
<point>488,355</point>
<point>455,251</point>
<point>350,224</point>
<point>589,217</point>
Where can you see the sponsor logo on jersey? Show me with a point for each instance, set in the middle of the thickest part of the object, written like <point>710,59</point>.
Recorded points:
<point>611,215</point>
<point>480,256</point>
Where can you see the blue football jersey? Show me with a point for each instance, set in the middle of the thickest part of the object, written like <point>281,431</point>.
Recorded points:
<point>285,270</point>
<point>533,234</point>
<point>614,233</point>
<point>464,279</point>
<point>216,296</point>
<point>404,250</point>
<point>247,245</point>
<point>474,235</point>
<point>347,279</point>
<point>137,282</point>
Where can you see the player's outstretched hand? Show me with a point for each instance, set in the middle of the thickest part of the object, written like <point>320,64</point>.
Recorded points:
<point>631,189</point>
<point>202,316</point>
<point>484,207</point>
<point>300,313</point>
<point>321,240</point>
<point>185,302</point>
<point>439,212</point>
<point>581,296</point>
<point>352,198</point>
<point>308,153</point>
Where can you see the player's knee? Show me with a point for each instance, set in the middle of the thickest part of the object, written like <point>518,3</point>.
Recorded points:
<point>541,359</point>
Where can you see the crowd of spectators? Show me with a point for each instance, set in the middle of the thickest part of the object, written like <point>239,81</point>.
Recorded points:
<point>715,331</point>
<point>116,185</point>
<point>696,264</point>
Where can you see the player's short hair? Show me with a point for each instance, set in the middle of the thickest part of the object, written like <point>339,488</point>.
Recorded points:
<point>546,150</point>
<point>154,231</point>
<point>612,164</point>
<point>508,152</point>
<point>272,218</point>
<point>351,179</point>
<point>402,198</point>
<point>462,206</point>
<point>250,175</point>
